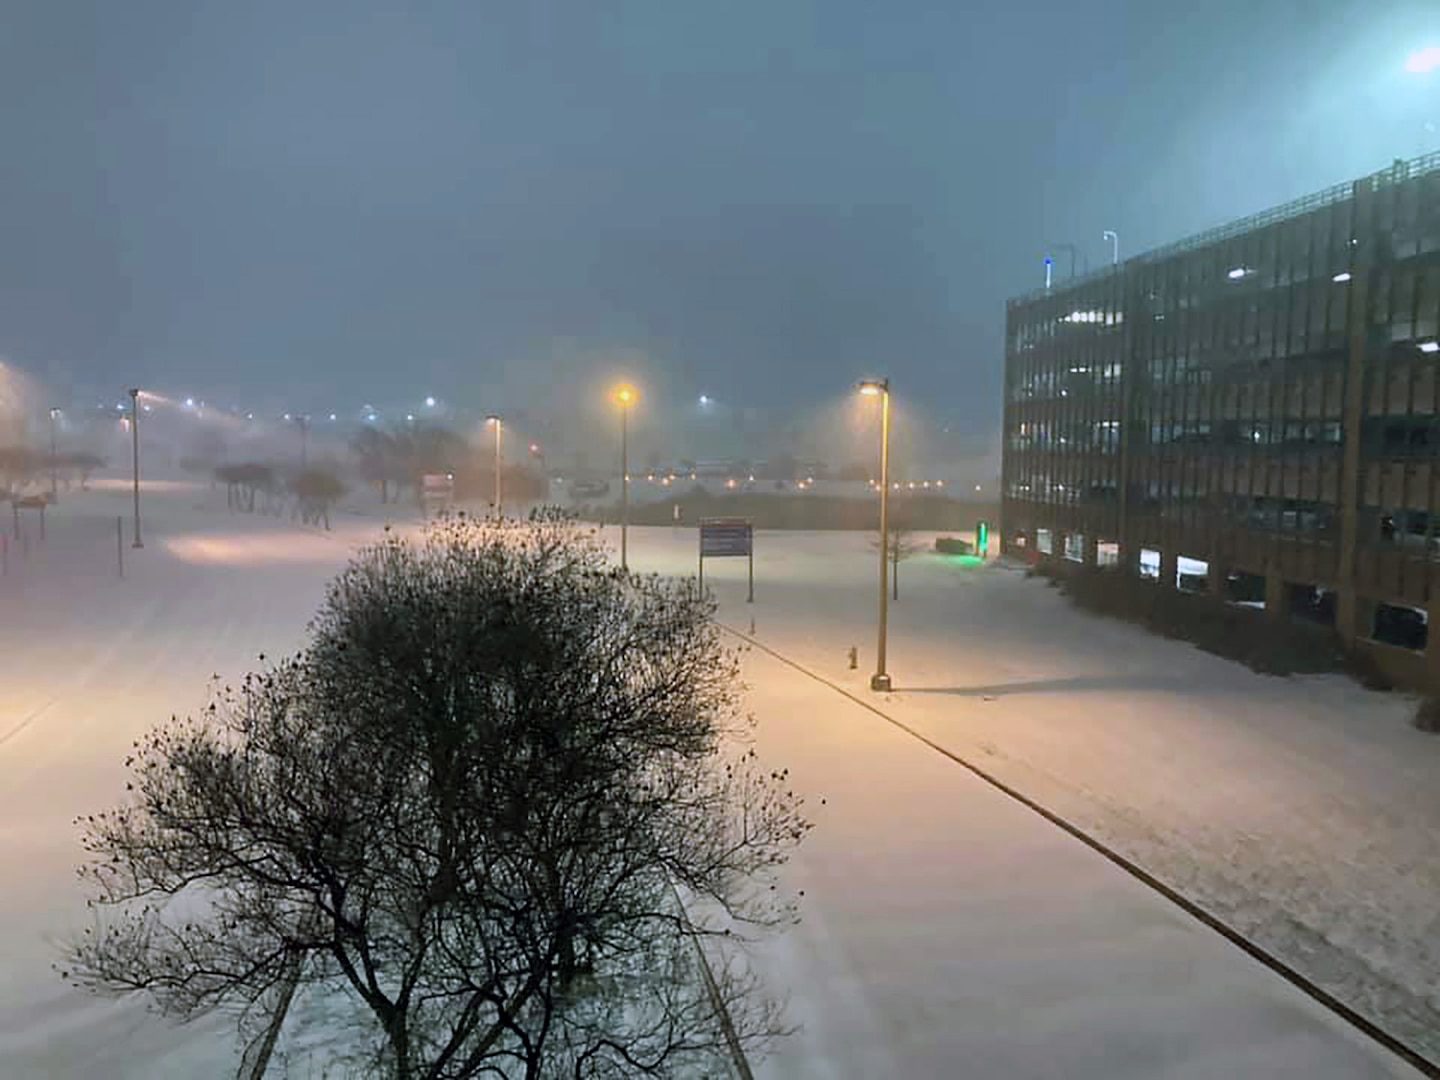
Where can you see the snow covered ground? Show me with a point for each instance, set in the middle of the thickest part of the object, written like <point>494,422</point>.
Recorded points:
<point>87,663</point>
<point>1302,810</point>
<point>949,931</point>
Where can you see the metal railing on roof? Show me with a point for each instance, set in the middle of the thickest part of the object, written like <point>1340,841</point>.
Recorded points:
<point>1399,172</point>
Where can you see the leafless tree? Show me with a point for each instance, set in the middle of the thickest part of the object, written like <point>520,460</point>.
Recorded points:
<point>315,489</point>
<point>472,804</point>
<point>901,547</point>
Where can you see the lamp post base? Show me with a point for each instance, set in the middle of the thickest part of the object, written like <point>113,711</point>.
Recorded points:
<point>880,682</point>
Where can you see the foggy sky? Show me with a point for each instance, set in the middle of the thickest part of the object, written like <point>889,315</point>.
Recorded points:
<point>336,203</point>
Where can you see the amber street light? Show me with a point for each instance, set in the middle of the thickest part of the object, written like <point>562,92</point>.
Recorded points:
<point>135,444</point>
<point>881,388</point>
<point>54,457</point>
<point>625,397</point>
<point>499,459</point>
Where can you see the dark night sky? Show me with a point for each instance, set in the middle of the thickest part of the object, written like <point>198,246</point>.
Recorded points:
<point>354,201</point>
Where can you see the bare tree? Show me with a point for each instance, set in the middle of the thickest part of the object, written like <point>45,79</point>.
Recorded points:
<point>901,547</point>
<point>316,489</point>
<point>473,804</point>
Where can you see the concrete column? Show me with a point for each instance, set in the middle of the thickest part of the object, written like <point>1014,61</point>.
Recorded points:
<point>1275,598</point>
<point>1347,614</point>
<point>1217,579</point>
<point>1169,568</point>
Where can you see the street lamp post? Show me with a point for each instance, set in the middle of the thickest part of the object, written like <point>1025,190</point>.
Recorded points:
<point>625,397</point>
<point>135,452</point>
<point>881,388</point>
<point>1114,238</point>
<point>499,461</point>
<point>54,457</point>
<point>304,422</point>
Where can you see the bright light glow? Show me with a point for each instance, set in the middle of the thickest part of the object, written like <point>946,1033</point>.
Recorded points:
<point>535,448</point>
<point>941,483</point>
<point>287,416</point>
<point>977,487</point>
<point>625,396</point>
<point>1430,346</point>
<point>332,416</point>
<point>189,402</point>
<point>1341,277</point>
<point>704,400</point>
<point>1237,273</point>
<point>429,402</point>
<point>1424,60</point>
<point>874,387</point>
<point>409,418</point>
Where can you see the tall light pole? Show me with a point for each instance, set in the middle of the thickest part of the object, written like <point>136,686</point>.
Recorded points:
<point>135,450</point>
<point>881,388</point>
<point>54,457</point>
<point>304,422</point>
<point>625,397</point>
<point>1114,238</point>
<point>499,460</point>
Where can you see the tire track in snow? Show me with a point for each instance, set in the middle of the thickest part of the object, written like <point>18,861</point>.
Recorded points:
<point>1257,952</point>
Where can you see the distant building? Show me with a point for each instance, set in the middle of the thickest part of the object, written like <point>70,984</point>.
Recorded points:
<point>1254,411</point>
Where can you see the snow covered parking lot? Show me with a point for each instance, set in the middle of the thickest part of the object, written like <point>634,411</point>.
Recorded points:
<point>1301,811</point>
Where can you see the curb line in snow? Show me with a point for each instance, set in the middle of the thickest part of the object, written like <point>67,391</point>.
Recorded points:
<point>1312,990</point>
<point>712,990</point>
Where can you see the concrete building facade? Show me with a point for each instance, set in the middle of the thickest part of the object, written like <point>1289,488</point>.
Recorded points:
<point>1253,412</point>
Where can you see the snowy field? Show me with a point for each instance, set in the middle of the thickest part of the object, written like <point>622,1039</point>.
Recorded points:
<point>1303,812</point>
<point>947,931</point>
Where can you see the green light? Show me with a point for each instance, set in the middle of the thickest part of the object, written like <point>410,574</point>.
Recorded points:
<point>982,539</point>
<point>969,562</point>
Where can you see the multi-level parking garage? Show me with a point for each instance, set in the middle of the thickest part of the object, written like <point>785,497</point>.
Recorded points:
<point>1254,412</point>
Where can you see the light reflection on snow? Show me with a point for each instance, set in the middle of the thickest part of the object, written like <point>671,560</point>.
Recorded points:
<point>252,549</point>
<point>112,483</point>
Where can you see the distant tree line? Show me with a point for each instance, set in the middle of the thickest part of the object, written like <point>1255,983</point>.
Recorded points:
<point>20,466</point>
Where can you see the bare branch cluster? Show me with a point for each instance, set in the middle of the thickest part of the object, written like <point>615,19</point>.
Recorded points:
<point>472,803</point>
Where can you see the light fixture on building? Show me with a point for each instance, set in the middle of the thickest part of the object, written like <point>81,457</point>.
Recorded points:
<point>1430,346</point>
<point>1341,277</point>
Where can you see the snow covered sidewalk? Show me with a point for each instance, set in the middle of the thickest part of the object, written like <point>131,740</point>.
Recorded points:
<point>1303,812</point>
<point>949,931</point>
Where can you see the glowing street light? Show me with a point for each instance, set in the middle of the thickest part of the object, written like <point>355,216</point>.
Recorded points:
<point>135,450</point>
<point>54,485</point>
<point>1423,61</point>
<point>494,418</point>
<point>881,388</point>
<point>430,402</point>
<point>625,397</point>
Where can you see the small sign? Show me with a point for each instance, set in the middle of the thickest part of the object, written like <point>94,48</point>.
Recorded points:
<point>437,489</point>
<point>722,538</point>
